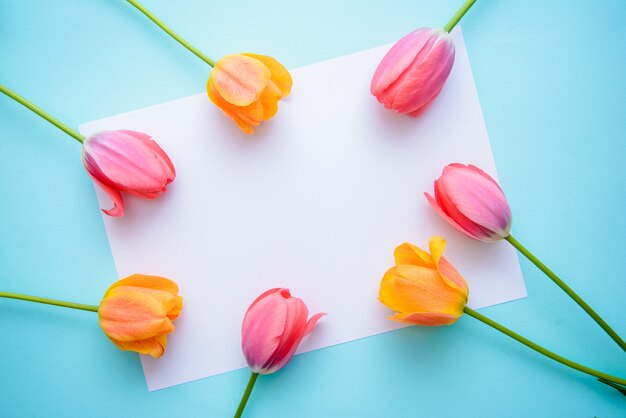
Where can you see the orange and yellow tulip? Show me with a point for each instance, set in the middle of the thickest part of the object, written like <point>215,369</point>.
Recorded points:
<point>247,88</point>
<point>424,288</point>
<point>137,313</point>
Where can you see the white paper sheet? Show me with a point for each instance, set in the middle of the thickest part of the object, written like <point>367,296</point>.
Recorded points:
<point>315,201</point>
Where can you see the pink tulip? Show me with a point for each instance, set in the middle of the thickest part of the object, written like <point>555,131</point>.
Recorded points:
<point>414,70</point>
<point>272,329</point>
<point>471,201</point>
<point>127,161</point>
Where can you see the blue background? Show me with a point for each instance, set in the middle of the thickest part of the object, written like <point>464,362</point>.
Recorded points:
<point>550,77</point>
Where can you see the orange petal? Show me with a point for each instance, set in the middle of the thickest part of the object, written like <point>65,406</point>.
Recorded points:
<point>149,282</point>
<point>153,346</point>
<point>269,100</point>
<point>410,254</point>
<point>240,79</point>
<point>428,319</point>
<point>280,75</point>
<point>130,313</point>
<point>238,114</point>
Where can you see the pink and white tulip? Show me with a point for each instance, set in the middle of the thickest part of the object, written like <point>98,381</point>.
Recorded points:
<point>413,72</point>
<point>127,161</point>
<point>473,202</point>
<point>273,328</point>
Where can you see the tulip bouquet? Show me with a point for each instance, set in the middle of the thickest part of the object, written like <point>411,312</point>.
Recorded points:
<point>117,161</point>
<point>425,289</point>
<point>136,313</point>
<point>246,87</point>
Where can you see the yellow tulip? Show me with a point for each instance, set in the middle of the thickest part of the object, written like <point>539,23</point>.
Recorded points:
<point>424,288</point>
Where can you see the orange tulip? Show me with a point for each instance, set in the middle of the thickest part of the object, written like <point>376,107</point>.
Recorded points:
<point>424,288</point>
<point>247,87</point>
<point>137,312</point>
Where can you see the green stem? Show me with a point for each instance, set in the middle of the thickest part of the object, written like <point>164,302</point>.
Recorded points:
<point>458,15</point>
<point>246,394</point>
<point>170,32</point>
<point>515,243</point>
<point>47,116</point>
<point>543,350</point>
<point>55,302</point>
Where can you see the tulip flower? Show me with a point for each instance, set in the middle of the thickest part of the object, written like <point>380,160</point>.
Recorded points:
<point>472,201</point>
<point>413,72</point>
<point>127,161</point>
<point>117,161</point>
<point>426,290</point>
<point>245,86</point>
<point>136,313</point>
<point>272,330</point>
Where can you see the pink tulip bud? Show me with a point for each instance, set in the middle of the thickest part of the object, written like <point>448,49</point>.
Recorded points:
<point>471,201</point>
<point>272,329</point>
<point>414,71</point>
<point>127,161</point>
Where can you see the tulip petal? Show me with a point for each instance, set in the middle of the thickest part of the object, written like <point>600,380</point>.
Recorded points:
<point>428,319</point>
<point>153,346</point>
<point>264,324</point>
<point>482,202</point>
<point>244,120</point>
<point>168,166</point>
<point>398,59</point>
<point>312,322</point>
<point>130,314</point>
<point>269,100</point>
<point>410,254</point>
<point>279,74</point>
<point>445,269</point>
<point>114,195</point>
<point>240,79</point>
<point>126,163</point>
<point>148,282</point>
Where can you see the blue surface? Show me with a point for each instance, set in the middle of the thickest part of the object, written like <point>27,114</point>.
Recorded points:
<point>550,76</point>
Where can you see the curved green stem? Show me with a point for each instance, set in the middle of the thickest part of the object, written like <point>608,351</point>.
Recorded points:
<point>458,15</point>
<point>246,394</point>
<point>543,350</point>
<point>170,32</point>
<point>92,308</point>
<point>515,243</point>
<point>47,116</point>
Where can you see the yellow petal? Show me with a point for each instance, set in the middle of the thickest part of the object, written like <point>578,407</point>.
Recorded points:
<point>280,75</point>
<point>410,254</point>
<point>450,275</point>
<point>240,79</point>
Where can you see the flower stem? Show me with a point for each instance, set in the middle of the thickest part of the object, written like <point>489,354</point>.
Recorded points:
<point>543,350</point>
<point>515,243</point>
<point>47,116</point>
<point>458,15</point>
<point>246,394</point>
<point>92,308</point>
<point>170,32</point>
